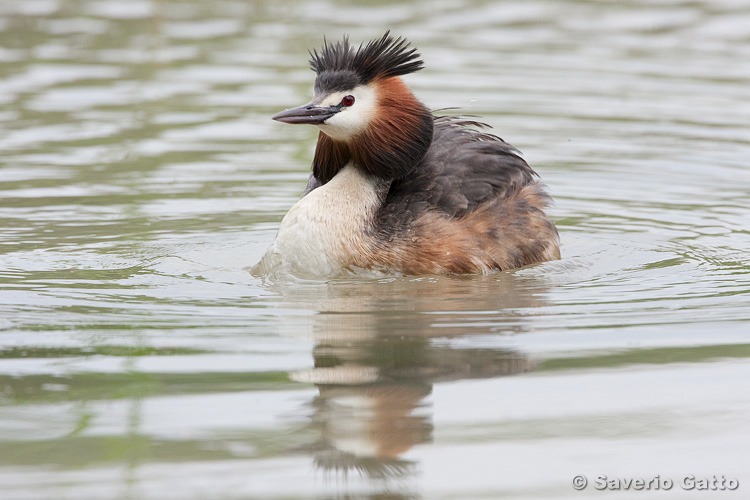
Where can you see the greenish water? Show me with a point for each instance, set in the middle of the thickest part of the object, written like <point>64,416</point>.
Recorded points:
<point>140,176</point>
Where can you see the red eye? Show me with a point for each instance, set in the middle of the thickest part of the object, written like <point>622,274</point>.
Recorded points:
<point>347,101</point>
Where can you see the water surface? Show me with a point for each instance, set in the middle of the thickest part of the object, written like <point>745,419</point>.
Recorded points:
<point>140,175</point>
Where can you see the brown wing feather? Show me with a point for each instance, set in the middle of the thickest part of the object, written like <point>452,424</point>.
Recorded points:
<point>505,233</point>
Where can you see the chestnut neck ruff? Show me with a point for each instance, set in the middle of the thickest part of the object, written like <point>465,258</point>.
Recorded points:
<point>395,141</point>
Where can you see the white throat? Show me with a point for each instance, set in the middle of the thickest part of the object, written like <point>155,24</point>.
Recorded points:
<point>325,232</point>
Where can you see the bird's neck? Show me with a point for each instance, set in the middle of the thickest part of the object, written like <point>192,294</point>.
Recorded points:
<point>395,141</point>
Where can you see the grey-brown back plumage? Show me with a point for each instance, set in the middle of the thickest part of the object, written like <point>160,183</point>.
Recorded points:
<point>463,168</point>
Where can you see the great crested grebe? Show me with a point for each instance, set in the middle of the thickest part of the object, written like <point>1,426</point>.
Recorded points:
<point>396,189</point>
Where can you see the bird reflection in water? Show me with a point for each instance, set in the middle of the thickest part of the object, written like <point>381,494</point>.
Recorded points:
<point>375,363</point>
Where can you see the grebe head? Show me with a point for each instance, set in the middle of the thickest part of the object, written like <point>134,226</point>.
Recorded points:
<point>364,110</point>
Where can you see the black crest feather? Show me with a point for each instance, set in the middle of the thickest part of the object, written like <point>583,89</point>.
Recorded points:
<point>381,58</point>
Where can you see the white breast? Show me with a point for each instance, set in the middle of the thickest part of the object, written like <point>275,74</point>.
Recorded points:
<point>324,232</point>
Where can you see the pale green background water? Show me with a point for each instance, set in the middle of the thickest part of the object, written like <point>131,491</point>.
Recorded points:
<point>140,175</point>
